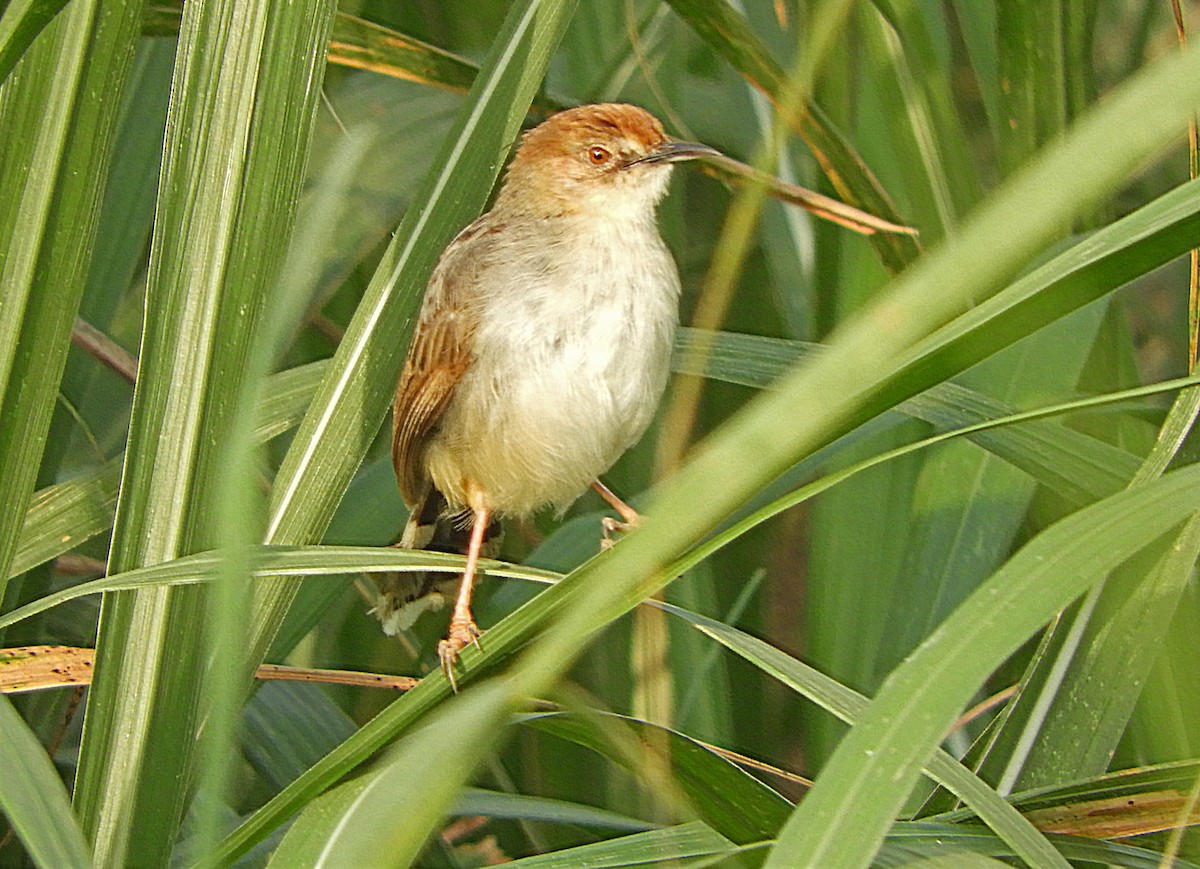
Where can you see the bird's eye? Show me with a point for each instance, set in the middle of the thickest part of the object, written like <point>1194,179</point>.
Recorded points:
<point>598,156</point>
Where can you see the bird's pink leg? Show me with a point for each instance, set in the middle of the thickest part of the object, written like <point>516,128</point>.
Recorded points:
<point>629,517</point>
<point>463,630</point>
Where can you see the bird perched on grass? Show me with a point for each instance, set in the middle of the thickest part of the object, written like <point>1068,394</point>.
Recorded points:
<point>541,351</point>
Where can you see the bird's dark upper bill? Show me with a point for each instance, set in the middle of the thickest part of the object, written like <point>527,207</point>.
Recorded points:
<point>670,151</point>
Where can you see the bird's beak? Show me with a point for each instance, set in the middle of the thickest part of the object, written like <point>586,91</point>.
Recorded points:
<point>671,151</point>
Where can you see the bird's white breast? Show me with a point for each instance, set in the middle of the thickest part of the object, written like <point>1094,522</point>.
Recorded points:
<point>571,357</point>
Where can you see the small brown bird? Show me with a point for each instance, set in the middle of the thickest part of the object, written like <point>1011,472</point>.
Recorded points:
<point>541,351</point>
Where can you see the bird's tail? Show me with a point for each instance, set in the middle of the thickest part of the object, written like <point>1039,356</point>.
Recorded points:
<point>432,526</point>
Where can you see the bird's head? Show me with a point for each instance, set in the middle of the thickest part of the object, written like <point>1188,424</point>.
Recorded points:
<point>609,158</point>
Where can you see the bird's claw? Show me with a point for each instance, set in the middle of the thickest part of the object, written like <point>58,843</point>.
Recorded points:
<point>611,526</point>
<point>463,633</point>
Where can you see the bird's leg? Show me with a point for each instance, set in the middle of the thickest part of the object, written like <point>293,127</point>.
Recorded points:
<point>629,517</point>
<point>463,630</point>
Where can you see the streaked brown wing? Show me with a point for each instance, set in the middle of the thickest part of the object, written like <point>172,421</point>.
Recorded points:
<point>437,359</point>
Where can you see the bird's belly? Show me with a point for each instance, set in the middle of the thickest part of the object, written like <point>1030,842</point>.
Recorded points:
<point>544,411</point>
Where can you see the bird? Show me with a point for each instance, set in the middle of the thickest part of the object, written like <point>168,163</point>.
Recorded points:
<point>541,350</point>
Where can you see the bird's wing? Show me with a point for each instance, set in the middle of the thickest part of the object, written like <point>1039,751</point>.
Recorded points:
<point>441,352</point>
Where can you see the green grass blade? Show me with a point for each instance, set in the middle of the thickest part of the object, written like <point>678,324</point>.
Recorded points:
<point>1093,267</point>
<point>929,100</point>
<point>476,801</point>
<point>849,706</point>
<point>1145,791</point>
<point>361,44</point>
<point>20,23</point>
<point>271,562</point>
<point>62,516</point>
<point>242,106</point>
<point>727,33</point>
<point>288,727</point>
<point>33,798</point>
<point>977,30</point>
<point>1079,692</point>
<point>1095,682</point>
<point>1081,696</point>
<point>59,127</point>
<point>921,698</point>
<point>728,799</point>
<point>366,45</point>
<point>1106,260</point>
<point>1079,467</point>
<point>1030,45</point>
<point>921,838</point>
<point>693,839</point>
<point>823,483</point>
<point>950,550</point>
<point>354,824</point>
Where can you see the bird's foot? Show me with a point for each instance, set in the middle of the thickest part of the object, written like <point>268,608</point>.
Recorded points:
<point>463,633</point>
<point>611,526</point>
